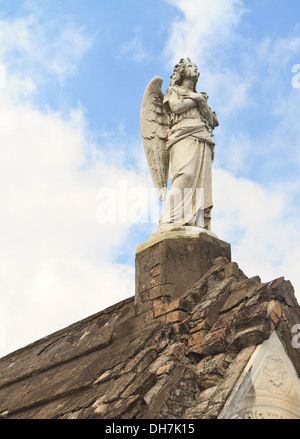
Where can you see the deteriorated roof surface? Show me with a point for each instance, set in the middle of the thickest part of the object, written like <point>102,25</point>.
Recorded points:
<point>183,363</point>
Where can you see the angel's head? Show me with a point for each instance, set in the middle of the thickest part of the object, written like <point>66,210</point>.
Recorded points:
<point>183,68</point>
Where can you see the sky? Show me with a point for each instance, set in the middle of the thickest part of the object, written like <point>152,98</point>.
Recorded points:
<point>75,188</point>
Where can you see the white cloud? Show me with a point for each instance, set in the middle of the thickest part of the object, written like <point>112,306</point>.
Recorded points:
<point>38,48</point>
<point>57,262</point>
<point>277,53</point>
<point>233,150</point>
<point>261,223</point>
<point>202,27</point>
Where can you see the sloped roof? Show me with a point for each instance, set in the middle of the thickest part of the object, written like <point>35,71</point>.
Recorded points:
<point>182,363</point>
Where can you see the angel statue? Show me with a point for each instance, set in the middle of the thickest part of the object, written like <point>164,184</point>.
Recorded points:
<point>177,130</point>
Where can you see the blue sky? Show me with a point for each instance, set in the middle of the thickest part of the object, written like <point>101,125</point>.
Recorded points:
<point>72,81</point>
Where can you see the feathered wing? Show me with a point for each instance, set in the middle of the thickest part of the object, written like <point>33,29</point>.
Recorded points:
<point>154,125</point>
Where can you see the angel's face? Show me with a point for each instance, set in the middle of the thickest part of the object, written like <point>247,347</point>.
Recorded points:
<point>191,71</point>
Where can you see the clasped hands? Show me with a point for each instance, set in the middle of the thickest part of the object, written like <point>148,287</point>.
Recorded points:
<point>200,98</point>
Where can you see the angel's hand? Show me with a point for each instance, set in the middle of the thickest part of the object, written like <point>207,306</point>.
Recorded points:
<point>199,98</point>
<point>204,95</point>
<point>186,94</point>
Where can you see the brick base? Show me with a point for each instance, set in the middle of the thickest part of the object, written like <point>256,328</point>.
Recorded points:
<point>168,268</point>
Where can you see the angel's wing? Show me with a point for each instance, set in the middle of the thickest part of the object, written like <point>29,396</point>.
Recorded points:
<point>154,124</point>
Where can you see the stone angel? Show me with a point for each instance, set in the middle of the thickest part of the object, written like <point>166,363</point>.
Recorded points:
<point>177,130</point>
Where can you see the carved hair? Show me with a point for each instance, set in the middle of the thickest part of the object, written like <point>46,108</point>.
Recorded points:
<point>177,75</point>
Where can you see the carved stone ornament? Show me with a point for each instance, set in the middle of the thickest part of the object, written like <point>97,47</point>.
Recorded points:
<point>269,387</point>
<point>265,413</point>
<point>276,376</point>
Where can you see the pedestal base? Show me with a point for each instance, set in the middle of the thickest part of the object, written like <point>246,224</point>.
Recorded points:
<point>170,263</point>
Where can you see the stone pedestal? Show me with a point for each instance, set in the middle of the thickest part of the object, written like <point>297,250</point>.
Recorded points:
<point>172,263</point>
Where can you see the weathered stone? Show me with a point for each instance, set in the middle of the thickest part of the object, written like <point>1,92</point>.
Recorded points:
<point>141,361</point>
<point>239,294</point>
<point>182,397</point>
<point>156,270</point>
<point>274,310</point>
<point>280,289</point>
<point>226,320</point>
<point>181,327</point>
<point>232,269</point>
<point>122,409</point>
<point>181,262</point>
<point>250,336</point>
<point>167,368</point>
<point>172,410</point>
<point>174,317</point>
<point>141,385</point>
<point>203,325</point>
<point>215,342</point>
<point>164,307</point>
<point>117,387</point>
<point>250,316</point>
<point>215,365</point>
<point>166,291</point>
<point>195,341</point>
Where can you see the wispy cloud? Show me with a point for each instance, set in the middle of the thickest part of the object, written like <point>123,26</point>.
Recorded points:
<point>202,27</point>
<point>134,49</point>
<point>39,48</point>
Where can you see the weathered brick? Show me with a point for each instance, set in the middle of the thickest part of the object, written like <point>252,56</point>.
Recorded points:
<point>159,307</point>
<point>155,281</point>
<point>185,261</point>
<point>162,306</point>
<point>239,294</point>
<point>251,336</point>
<point>161,291</point>
<point>144,307</point>
<point>156,270</point>
<point>215,342</point>
<point>197,338</point>
<point>250,315</point>
<point>225,320</point>
<point>181,327</point>
<point>144,297</point>
<point>175,316</point>
<point>200,326</point>
<point>199,314</point>
<point>149,315</point>
<point>274,311</point>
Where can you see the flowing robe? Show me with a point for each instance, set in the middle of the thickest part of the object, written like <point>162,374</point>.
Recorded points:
<point>191,154</point>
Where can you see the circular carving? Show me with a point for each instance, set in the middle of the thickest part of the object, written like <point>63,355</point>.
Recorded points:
<point>276,375</point>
